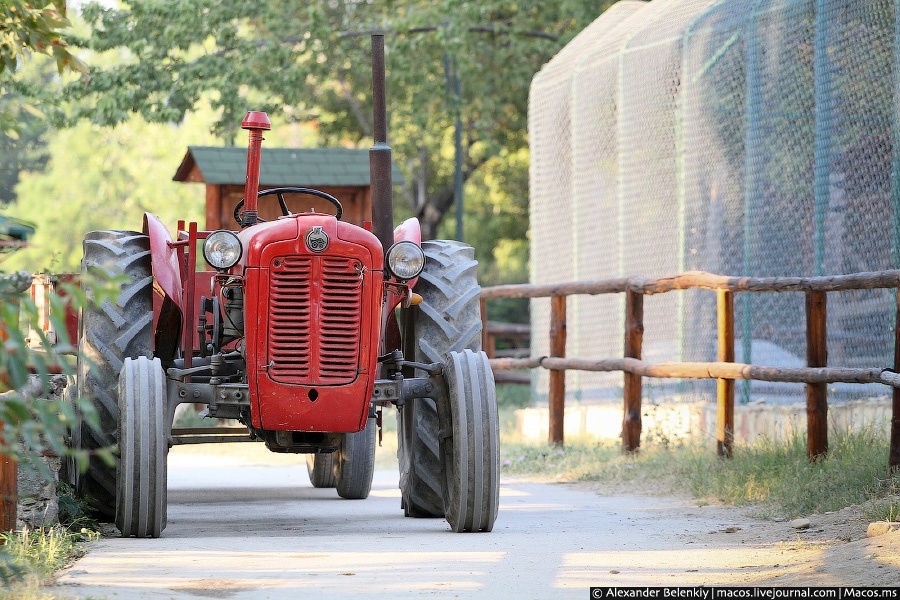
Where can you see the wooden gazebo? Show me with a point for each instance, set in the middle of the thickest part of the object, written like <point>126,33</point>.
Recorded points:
<point>341,172</point>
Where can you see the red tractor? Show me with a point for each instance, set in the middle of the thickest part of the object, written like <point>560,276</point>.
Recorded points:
<point>303,330</point>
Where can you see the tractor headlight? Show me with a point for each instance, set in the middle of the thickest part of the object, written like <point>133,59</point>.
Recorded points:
<point>405,260</point>
<point>222,249</point>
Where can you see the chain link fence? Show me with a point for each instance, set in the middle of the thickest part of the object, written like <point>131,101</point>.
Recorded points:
<point>740,137</point>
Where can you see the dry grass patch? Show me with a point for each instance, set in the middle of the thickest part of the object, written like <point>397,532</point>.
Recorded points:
<point>774,475</point>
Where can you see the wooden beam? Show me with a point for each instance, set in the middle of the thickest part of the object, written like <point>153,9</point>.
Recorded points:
<point>705,370</point>
<point>634,336</point>
<point>512,330</point>
<point>557,396</point>
<point>894,451</point>
<point>699,279</point>
<point>725,387</point>
<point>816,393</point>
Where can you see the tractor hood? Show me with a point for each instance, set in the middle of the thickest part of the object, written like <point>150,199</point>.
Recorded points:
<point>312,233</point>
<point>313,289</point>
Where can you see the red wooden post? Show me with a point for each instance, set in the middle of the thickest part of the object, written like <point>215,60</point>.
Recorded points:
<point>634,336</point>
<point>9,470</point>
<point>894,452</point>
<point>8,491</point>
<point>725,387</point>
<point>816,393</point>
<point>557,398</point>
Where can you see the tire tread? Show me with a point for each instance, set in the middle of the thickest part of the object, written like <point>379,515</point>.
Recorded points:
<point>448,319</point>
<point>118,329</point>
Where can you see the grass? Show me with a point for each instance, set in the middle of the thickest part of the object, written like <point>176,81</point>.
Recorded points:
<point>34,555</point>
<point>883,510</point>
<point>776,476</point>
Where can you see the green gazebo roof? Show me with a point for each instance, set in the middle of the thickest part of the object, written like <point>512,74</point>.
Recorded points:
<point>282,166</point>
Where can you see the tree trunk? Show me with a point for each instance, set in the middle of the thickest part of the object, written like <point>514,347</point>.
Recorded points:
<point>431,213</point>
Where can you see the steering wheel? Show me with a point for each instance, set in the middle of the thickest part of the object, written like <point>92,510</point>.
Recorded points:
<point>280,192</point>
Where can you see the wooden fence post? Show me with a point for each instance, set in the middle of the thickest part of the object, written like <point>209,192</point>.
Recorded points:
<point>816,393</point>
<point>557,398</point>
<point>725,387</point>
<point>8,491</point>
<point>9,471</point>
<point>894,451</point>
<point>486,340</point>
<point>634,336</point>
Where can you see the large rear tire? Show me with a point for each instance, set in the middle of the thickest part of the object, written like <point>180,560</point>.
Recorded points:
<point>472,452</point>
<point>118,329</point>
<point>143,449</point>
<point>354,463</point>
<point>321,470</point>
<point>448,319</point>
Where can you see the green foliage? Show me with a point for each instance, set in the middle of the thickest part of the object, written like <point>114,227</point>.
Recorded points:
<point>775,475</point>
<point>39,423</point>
<point>32,424</point>
<point>179,52</point>
<point>309,62</point>
<point>883,510</point>
<point>45,550</point>
<point>33,555</point>
<point>74,511</point>
<point>23,147</point>
<point>497,218</point>
<point>511,395</point>
<point>28,27</point>
<point>104,178</point>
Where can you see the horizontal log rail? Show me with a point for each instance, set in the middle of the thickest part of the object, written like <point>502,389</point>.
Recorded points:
<point>510,330</point>
<point>519,332</point>
<point>699,279</point>
<point>815,375</point>
<point>705,370</point>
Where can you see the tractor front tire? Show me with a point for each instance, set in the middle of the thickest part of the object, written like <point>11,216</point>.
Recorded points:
<point>321,470</point>
<point>354,463</point>
<point>119,328</point>
<point>472,452</point>
<point>143,449</point>
<point>447,320</point>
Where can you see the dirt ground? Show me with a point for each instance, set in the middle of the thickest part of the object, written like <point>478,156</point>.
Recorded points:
<point>833,551</point>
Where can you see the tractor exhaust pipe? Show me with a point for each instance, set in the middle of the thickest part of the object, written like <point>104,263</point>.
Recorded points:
<point>380,153</point>
<point>255,123</point>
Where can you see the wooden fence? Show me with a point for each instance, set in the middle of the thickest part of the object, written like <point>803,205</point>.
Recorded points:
<point>517,335</point>
<point>816,375</point>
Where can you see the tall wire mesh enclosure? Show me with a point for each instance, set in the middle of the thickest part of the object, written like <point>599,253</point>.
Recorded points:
<point>740,137</point>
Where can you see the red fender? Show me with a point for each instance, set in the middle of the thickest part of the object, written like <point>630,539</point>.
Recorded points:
<point>167,287</point>
<point>408,230</point>
<point>166,272</point>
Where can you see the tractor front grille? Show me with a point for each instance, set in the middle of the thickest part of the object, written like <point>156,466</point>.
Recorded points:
<point>314,330</point>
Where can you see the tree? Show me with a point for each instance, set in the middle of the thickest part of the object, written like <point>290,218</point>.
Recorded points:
<point>308,61</point>
<point>104,178</point>
<point>28,27</point>
<point>22,145</point>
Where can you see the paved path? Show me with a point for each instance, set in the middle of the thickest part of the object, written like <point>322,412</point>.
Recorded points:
<point>238,531</point>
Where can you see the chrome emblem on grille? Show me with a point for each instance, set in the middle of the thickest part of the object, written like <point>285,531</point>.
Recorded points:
<point>316,239</point>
